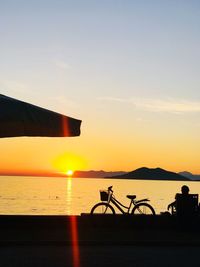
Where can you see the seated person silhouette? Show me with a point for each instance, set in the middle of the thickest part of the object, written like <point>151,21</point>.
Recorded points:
<point>185,205</point>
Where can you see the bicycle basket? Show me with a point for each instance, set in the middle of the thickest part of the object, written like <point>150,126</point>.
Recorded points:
<point>104,195</point>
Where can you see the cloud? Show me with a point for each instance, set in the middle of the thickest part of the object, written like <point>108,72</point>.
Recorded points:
<point>62,65</point>
<point>159,105</point>
<point>61,104</point>
<point>166,105</point>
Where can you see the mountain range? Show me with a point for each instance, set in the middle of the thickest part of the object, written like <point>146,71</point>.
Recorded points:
<point>190,175</point>
<point>142,173</point>
<point>96,174</point>
<point>145,173</point>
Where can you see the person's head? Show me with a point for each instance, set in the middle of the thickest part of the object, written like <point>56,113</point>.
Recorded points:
<point>185,189</point>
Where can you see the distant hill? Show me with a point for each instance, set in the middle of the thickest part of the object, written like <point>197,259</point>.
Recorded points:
<point>96,174</point>
<point>194,177</point>
<point>152,174</point>
<point>141,173</point>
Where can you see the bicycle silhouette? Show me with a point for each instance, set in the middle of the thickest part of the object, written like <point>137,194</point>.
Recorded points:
<point>136,207</point>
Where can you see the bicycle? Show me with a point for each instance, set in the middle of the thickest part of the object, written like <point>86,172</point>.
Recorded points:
<point>140,207</point>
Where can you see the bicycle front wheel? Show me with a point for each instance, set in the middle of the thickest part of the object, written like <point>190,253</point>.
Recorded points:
<point>102,208</point>
<point>143,209</point>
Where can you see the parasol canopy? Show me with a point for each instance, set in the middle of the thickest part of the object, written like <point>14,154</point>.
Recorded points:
<point>18,118</point>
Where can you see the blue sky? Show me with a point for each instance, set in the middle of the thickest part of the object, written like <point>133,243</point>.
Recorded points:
<point>125,67</point>
<point>144,47</point>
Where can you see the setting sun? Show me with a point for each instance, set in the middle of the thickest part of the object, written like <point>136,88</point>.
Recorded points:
<point>70,173</point>
<point>67,163</point>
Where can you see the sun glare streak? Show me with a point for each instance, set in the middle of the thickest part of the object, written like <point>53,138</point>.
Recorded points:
<point>73,226</point>
<point>75,245</point>
<point>65,126</point>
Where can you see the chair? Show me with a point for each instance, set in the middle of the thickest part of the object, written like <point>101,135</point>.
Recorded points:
<point>187,205</point>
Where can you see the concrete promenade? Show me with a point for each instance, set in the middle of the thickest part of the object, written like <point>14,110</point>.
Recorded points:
<point>66,241</point>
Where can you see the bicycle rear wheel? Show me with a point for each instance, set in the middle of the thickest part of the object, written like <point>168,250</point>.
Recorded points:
<point>143,209</point>
<point>102,208</point>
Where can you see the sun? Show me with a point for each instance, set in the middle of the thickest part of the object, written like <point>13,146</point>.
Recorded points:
<point>69,173</point>
<point>68,163</point>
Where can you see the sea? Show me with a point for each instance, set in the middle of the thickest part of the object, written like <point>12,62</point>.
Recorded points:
<point>73,196</point>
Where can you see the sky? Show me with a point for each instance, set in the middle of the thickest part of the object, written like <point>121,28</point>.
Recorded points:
<point>128,69</point>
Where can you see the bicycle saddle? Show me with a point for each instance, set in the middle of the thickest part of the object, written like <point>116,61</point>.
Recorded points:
<point>131,196</point>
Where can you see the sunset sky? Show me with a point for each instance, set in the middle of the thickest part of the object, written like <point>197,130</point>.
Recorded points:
<point>128,69</point>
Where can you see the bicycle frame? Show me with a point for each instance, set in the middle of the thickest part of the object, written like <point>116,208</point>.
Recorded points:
<point>118,204</point>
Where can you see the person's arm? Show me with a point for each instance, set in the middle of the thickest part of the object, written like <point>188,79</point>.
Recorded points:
<point>171,205</point>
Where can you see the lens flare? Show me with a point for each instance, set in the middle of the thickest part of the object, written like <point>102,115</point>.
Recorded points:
<point>75,245</point>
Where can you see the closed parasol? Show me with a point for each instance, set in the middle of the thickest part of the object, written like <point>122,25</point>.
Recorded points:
<point>18,118</point>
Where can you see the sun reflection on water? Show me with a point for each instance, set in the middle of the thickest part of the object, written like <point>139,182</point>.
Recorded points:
<point>69,195</point>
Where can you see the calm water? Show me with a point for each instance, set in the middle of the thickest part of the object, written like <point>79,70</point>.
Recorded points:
<point>41,195</point>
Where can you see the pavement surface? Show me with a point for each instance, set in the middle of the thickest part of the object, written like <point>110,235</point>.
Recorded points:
<point>88,241</point>
<point>98,256</point>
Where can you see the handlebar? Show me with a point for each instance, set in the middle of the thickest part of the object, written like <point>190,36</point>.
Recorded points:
<point>110,188</point>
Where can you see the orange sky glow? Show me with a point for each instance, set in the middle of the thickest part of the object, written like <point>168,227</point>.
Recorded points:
<point>125,69</point>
